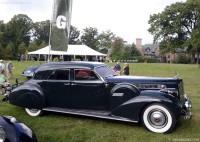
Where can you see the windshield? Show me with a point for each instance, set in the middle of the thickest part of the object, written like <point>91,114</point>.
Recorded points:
<point>105,71</point>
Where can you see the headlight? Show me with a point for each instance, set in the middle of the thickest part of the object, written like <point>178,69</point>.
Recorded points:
<point>2,134</point>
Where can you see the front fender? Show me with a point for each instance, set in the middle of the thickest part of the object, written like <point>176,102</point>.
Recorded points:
<point>28,95</point>
<point>16,131</point>
<point>133,108</point>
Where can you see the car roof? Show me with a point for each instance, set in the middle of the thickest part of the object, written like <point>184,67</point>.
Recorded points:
<point>70,64</point>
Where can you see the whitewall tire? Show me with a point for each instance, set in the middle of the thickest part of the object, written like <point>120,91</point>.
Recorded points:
<point>34,112</point>
<point>158,118</point>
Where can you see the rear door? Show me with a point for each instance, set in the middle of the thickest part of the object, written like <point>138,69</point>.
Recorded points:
<point>57,88</point>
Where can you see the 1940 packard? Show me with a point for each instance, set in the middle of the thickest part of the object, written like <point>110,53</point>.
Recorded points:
<point>94,89</point>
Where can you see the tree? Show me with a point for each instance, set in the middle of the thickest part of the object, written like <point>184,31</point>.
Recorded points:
<point>173,26</point>
<point>74,35</point>
<point>117,48</point>
<point>42,45</point>
<point>18,29</point>
<point>22,48</point>
<point>41,31</point>
<point>90,37</point>
<point>2,30</point>
<point>106,38</point>
<point>1,52</point>
<point>32,46</point>
<point>8,52</point>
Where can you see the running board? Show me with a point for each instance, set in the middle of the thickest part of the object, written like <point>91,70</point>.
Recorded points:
<point>91,113</point>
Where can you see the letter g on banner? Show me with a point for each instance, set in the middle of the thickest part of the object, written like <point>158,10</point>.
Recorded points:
<point>61,22</point>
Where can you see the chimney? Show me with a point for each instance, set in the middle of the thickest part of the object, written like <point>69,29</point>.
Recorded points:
<point>139,46</point>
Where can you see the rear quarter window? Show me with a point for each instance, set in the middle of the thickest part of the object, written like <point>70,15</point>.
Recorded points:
<point>42,75</point>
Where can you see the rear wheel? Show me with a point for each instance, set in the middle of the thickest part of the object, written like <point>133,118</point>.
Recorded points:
<point>34,112</point>
<point>158,118</point>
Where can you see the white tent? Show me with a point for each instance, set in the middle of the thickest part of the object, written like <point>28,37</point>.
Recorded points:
<point>82,50</point>
<point>79,50</point>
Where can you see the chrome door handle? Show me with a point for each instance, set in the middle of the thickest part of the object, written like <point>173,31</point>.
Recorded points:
<point>66,83</point>
<point>73,84</point>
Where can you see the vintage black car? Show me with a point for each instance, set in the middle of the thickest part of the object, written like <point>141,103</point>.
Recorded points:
<point>94,89</point>
<point>29,72</point>
<point>12,130</point>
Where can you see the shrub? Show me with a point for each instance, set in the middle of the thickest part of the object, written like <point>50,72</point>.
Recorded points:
<point>55,59</point>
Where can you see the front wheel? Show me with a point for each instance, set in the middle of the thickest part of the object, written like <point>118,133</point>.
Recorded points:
<point>34,112</point>
<point>158,118</point>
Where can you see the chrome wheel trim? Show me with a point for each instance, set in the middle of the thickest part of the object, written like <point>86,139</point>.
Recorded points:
<point>157,119</point>
<point>33,112</point>
<point>154,128</point>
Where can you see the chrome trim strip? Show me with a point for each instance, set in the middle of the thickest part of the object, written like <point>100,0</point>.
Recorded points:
<point>118,94</point>
<point>90,115</point>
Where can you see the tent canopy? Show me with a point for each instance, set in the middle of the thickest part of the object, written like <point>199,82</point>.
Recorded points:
<point>72,50</point>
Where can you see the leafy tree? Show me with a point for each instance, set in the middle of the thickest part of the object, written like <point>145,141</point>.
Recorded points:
<point>8,52</point>
<point>32,46</point>
<point>41,31</point>
<point>1,52</point>
<point>126,54</point>
<point>173,26</point>
<point>22,48</point>
<point>2,30</point>
<point>90,37</point>
<point>133,51</point>
<point>106,38</point>
<point>42,45</point>
<point>74,35</point>
<point>18,29</point>
<point>117,49</point>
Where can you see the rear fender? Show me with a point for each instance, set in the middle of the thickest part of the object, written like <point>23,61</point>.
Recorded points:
<point>28,96</point>
<point>133,108</point>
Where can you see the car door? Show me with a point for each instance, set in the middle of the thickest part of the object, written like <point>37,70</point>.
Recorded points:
<point>57,88</point>
<point>88,91</point>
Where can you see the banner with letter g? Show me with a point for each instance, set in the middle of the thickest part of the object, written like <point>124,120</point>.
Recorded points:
<point>60,25</point>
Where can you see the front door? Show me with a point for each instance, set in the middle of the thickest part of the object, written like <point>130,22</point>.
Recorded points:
<point>88,91</point>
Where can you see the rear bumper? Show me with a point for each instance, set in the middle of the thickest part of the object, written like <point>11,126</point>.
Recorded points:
<point>186,108</point>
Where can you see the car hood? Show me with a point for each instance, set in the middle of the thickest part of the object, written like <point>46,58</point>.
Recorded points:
<point>143,79</point>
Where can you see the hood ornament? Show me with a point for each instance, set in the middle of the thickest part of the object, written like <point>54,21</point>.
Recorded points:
<point>176,74</point>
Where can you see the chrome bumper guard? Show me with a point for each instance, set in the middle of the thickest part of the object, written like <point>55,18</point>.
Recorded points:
<point>186,108</point>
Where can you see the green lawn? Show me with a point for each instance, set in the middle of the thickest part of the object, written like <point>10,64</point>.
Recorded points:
<point>56,127</point>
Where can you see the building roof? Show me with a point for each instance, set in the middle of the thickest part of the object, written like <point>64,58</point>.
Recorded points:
<point>149,49</point>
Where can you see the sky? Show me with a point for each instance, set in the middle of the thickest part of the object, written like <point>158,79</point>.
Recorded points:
<point>127,19</point>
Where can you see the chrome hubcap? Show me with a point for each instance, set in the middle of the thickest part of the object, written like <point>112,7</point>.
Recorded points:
<point>33,110</point>
<point>157,119</point>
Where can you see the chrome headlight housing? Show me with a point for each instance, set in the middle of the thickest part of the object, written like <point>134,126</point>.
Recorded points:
<point>2,134</point>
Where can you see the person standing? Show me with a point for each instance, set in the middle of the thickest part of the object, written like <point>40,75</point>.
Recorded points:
<point>2,67</point>
<point>3,81</point>
<point>9,68</point>
<point>198,61</point>
<point>117,68</point>
<point>18,58</point>
<point>22,58</point>
<point>126,69</point>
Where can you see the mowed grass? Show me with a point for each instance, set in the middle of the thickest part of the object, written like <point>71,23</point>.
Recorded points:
<point>56,127</point>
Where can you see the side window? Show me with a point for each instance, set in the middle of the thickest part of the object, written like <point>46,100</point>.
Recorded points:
<point>81,74</point>
<point>59,75</point>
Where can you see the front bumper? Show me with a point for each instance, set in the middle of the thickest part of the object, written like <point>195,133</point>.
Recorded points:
<point>186,108</point>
